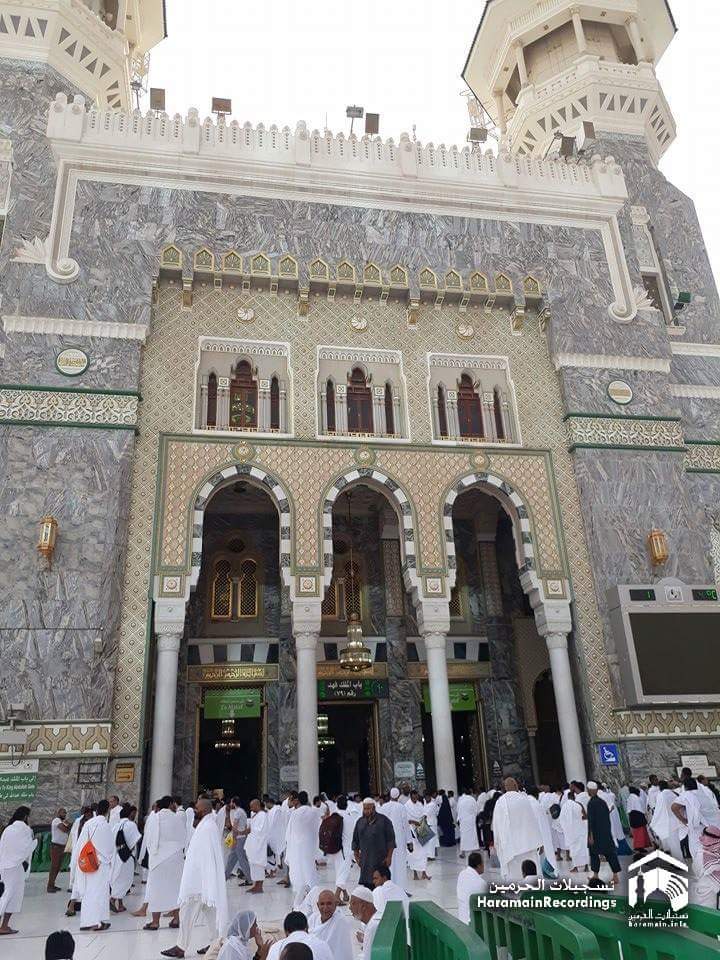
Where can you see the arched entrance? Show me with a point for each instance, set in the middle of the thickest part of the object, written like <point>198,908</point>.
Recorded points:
<point>547,737</point>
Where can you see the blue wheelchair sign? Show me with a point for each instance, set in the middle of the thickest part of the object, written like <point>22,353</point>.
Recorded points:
<point>609,754</point>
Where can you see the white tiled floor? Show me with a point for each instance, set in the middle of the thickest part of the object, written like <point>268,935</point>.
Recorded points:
<point>126,940</point>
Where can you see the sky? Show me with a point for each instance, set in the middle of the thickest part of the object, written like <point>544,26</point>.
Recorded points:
<point>287,60</point>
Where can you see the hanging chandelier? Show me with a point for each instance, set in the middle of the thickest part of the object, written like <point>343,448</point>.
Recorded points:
<point>355,657</point>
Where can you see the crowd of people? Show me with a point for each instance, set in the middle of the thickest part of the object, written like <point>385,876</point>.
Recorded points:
<point>184,857</point>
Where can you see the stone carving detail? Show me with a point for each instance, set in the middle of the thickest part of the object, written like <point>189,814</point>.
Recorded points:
<point>625,432</point>
<point>47,406</point>
<point>702,457</point>
<point>64,739</point>
<point>38,251</point>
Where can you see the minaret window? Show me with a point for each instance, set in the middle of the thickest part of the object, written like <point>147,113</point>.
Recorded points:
<point>243,398</point>
<point>212,400</point>
<point>389,411</point>
<point>359,403</point>
<point>469,409</point>
<point>274,404</point>
<point>442,411</point>
<point>330,406</point>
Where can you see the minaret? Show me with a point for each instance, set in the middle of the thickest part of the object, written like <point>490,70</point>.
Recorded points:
<point>97,45</point>
<point>542,68</point>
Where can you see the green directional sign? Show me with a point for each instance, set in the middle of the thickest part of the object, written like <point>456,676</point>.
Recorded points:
<point>352,688</point>
<point>18,787</point>
<point>233,704</point>
<point>462,697</point>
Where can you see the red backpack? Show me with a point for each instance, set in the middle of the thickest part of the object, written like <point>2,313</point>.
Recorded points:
<point>331,831</point>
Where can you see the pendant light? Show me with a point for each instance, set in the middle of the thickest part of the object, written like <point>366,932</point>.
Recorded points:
<point>356,656</point>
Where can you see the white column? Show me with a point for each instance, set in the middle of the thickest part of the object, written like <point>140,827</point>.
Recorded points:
<point>283,408</point>
<point>488,409</point>
<point>522,68</point>
<point>444,747</point>
<point>341,420</point>
<point>579,30</point>
<point>223,407</point>
<point>163,732</point>
<point>499,97</point>
<point>308,759</point>
<point>636,39</point>
<point>451,412</point>
<point>379,412</point>
<point>397,416</point>
<point>203,404</point>
<point>263,420</point>
<point>557,645</point>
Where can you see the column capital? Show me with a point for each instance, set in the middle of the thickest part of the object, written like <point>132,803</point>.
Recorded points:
<point>435,640</point>
<point>168,642</point>
<point>306,615</point>
<point>556,641</point>
<point>433,616</point>
<point>307,640</point>
<point>169,617</point>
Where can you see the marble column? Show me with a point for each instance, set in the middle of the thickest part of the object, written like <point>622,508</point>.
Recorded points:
<point>202,420</point>
<point>263,419</point>
<point>488,413</point>
<point>579,30</point>
<point>283,409</point>
<point>636,38</point>
<point>441,715</point>
<point>308,758</point>
<point>451,411</point>
<point>379,424</point>
<point>499,98</point>
<point>223,405</point>
<point>163,733</point>
<point>522,67</point>
<point>557,644</point>
<point>341,420</point>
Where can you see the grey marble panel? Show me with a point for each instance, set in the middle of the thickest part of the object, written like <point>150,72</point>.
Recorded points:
<point>662,757</point>
<point>689,369</point>
<point>700,418</point>
<point>585,391</point>
<point>30,360</point>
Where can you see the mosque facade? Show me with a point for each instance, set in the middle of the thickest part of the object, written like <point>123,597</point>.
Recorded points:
<point>262,385</point>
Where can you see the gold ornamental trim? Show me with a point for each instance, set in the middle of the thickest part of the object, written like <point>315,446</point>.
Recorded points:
<point>458,670</point>
<point>234,673</point>
<point>329,670</point>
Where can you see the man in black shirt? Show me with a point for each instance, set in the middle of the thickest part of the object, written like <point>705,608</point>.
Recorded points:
<point>600,838</point>
<point>373,842</point>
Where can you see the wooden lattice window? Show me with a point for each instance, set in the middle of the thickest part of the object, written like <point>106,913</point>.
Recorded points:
<point>442,411</point>
<point>469,409</point>
<point>340,600</point>
<point>456,604</point>
<point>274,404</point>
<point>330,406</point>
<point>497,411</point>
<point>248,590</point>
<point>389,411</point>
<point>243,398</point>
<point>211,419</point>
<point>359,403</point>
<point>221,603</point>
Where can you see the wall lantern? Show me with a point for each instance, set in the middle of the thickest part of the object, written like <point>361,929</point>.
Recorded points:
<point>48,536</point>
<point>658,547</point>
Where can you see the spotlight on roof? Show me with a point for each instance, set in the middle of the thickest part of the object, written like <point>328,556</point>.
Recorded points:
<point>221,106</point>
<point>372,124</point>
<point>478,135</point>
<point>157,99</point>
<point>355,113</point>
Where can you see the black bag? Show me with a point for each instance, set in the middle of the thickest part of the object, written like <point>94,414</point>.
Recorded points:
<point>331,831</point>
<point>123,850</point>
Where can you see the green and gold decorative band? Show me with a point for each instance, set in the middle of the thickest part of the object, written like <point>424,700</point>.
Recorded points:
<point>67,407</point>
<point>592,431</point>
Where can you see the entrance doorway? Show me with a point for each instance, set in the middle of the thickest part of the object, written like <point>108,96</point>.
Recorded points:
<point>547,739</point>
<point>229,752</point>
<point>348,746</point>
<point>467,738</point>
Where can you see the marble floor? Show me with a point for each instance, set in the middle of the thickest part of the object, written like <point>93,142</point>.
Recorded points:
<point>125,940</point>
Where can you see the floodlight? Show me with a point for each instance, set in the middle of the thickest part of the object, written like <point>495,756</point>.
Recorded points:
<point>221,106</point>
<point>157,98</point>
<point>372,124</point>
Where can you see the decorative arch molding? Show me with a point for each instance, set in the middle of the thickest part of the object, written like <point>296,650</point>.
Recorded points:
<point>513,503</point>
<point>260,478</point>
<point>397,496</point>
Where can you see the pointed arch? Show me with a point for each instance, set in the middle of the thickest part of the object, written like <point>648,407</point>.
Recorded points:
<point>470,415</point>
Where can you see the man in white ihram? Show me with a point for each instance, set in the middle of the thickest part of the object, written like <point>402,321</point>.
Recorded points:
<point>398,816</point>
<point>94,888</point>
<point>256,845</point>
<point>301,849</point>
<point>330,925</point>
<point>516,831</point>
<point>16,847</point>
<point>165,838</point>
<point>467,811</point>
<point>202,888</point>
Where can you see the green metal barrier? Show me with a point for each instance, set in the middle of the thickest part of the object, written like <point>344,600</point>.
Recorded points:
<point>704,920</point>
<point>390,941</point>
<point>618,940</point>
<point>436,935</point>
<point>533,934</point>
<point>41,855</point>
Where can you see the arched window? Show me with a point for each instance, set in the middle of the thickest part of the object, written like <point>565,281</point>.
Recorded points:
<point>497,410</point>
<point>469,409</point>
<point>274,404</point>
<point>330,406</point>
<point>389,411</point>
<point>442,411</point>
<point>222,592</point>
<point>359,403</point>
<point>248,590</point>
<point>243,398</point>
<point>211,419</point>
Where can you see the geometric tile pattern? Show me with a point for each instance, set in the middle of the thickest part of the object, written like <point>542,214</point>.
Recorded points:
<point>64,739</point>
<point>619,432</point>
<point>668,723</point>
<point>68,406</point>
<point>702,457</point>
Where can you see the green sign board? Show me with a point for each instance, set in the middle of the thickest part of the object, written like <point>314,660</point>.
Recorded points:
<point>232,704</point>
<point>18,787</point>
<point>352,688</point>
<point>462,697</point>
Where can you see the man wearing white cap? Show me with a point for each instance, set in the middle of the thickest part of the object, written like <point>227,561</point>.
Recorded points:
<point>397,814</point>
<point>363,909</point>
<point>373,841</point>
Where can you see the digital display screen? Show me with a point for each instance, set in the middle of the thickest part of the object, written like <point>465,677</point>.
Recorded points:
<point>642,594</point>
<point>709,594</point>
<point>678,654</point>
